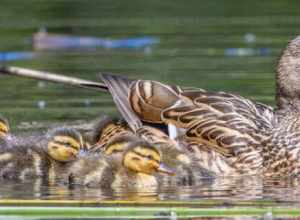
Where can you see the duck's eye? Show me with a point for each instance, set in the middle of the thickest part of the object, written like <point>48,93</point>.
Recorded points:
<point>68,144</point>
<point>150,157</point>
<point>55,147</point>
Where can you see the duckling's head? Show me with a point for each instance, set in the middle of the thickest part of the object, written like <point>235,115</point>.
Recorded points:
<point>64,144</point>
<point>116,147</point>
<point>106,128</point>
<point>4,127</point>
<point>288,77</point>
<point>141,157</point>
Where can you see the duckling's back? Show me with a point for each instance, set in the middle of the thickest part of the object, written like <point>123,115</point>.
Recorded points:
<point>92,170</point>
<point>22,162</point>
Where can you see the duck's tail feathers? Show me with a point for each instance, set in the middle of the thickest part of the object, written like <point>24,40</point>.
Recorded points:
<point>119,88</point>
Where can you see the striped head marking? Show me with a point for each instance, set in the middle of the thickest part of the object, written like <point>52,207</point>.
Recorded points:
<point>114,148</point>
<point>63,147</point>
<point>119,144</point>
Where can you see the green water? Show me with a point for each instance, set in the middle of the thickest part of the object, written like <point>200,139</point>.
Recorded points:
<point>194,37</point>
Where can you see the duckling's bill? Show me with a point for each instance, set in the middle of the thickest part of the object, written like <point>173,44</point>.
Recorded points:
<point>163,168</point>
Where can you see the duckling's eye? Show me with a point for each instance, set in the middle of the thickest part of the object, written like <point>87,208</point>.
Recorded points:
<point>55,147</point>
<point>150,157</point>
<point>68,144</point>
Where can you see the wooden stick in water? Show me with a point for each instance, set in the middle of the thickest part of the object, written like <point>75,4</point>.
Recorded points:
<point>41,75</point>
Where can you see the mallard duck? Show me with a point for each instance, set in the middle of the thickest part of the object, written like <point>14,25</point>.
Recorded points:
<point>232,135</point>
<point>4,127</point>
<point>49,159</point>
<point>133,167</point>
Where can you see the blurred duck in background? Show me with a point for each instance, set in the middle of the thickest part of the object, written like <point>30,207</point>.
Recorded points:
<point>42,40</point>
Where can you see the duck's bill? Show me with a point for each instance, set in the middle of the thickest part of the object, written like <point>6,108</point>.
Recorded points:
<point>165,169</point>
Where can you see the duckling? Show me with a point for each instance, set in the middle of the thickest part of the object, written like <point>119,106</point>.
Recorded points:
<point>184,165</point>
<point>48,159</point>
<point>64,144</point>
<point>4,127</point>
<point>138,164</point>
<point>120,138</point>
<point>172,155</point>
<point>105,129</point>
<point>230,135</point>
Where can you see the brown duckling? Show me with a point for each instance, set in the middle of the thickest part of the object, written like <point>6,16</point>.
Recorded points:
<point>47,159</point>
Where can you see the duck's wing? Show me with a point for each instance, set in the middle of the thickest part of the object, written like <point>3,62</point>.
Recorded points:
<point>119,88</point>
<point>259,114</point>
<point>228,123</point>
<point>145,98</point>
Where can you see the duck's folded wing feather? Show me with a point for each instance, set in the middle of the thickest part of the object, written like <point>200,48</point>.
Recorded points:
<point>227,123</point>
<point>119,88</point>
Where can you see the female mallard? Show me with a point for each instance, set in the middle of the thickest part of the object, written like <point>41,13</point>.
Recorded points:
<point>228,133</point>
<point>47,160</point>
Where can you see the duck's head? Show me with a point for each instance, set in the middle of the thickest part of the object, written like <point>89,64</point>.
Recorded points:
<point>288,77</point>
<point>141,157</point>
<point>107,128</point>
<point>116,147</point>
<point>64,144</point>
<point>4,127</point>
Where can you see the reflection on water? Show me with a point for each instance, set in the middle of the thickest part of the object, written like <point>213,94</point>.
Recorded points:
<point>230,190</point>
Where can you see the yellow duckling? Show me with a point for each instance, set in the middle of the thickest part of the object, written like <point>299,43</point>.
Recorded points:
<point>181,161</point>
<point>4,127</point>
<point>117,142</point>
<point>140,162</point>
<point>64,144</point>
<point>48,160</point>
<point>105,129</point>
<point>134,167</point>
